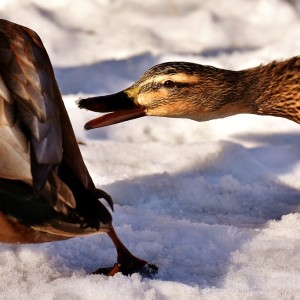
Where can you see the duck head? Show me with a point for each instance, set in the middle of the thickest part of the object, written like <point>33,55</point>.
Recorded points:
<point>172,89</point>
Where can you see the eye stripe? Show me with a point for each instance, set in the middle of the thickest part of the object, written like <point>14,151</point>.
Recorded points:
<point>154,86</point>
<point>176,77</point>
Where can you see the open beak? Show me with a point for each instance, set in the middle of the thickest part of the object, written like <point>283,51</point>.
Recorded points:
<point>122,109</point>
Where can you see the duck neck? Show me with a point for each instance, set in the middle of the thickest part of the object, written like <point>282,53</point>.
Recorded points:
<point>273,89</point>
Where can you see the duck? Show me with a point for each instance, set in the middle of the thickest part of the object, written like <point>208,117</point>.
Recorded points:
<point>202,93</point>
<point>46,191</point>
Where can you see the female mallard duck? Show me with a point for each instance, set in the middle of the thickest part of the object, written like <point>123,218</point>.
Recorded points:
<point>188,90</point>
<point>46,192</point>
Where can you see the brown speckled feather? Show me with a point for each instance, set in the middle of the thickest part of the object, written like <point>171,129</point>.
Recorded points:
<point>202,93</point>
<point>31,99</point>
<point>46,192</point>
<point>37,142</point>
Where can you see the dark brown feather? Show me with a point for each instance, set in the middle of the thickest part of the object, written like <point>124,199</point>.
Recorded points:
<point>46,192</point>
<point>39,148</point>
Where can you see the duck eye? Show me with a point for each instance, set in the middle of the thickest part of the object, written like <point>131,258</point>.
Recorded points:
<point>169,84</point>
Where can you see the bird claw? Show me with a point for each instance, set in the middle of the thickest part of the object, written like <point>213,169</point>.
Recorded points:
<point>139,266</point>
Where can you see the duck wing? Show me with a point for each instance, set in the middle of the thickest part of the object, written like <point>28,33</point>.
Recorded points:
<point>36,133</point>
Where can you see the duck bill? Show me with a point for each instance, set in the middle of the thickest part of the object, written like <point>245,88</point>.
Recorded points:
<point>122,109</point>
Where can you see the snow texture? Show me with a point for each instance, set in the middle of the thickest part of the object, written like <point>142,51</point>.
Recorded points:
<point>215,205</point>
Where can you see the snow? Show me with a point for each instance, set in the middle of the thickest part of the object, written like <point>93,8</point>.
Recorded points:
<point>215,205</point>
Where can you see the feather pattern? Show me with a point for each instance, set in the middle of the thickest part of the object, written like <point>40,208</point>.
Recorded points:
<point>46,192</point>
<point>38,145</point>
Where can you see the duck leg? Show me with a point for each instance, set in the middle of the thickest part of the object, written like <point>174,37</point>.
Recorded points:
<point>127,263</point>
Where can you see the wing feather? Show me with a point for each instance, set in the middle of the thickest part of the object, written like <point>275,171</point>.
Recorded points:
<point>37,131</point>
<point>28,107</point>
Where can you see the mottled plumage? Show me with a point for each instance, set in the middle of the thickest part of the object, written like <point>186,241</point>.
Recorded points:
<point>46,192</point>
<point>189,90</point>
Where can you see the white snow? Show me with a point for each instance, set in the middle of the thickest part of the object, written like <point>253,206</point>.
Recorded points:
<point>215,205</point>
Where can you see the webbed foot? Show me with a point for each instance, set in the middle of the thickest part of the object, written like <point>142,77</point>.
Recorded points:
<point>138,266</point>
<point>127,263</point>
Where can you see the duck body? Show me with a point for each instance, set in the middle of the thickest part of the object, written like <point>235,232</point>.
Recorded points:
<point>39,153</point>
<point>201,93</point>
<point>46,192</point>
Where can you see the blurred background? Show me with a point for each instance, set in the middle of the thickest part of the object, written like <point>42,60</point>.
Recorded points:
<point>103,46</point>
<point>215,205</point>
<point>231,34</point>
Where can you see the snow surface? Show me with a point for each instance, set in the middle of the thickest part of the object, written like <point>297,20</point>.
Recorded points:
<point>215,205</point>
